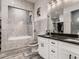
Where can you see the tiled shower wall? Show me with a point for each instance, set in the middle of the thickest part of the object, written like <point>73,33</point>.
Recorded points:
<point>41,21</point>
<point>41,26</point>
<point>18,22</point>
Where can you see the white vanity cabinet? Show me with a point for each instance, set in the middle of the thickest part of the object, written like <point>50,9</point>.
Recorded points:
<point>68,51</point>
<point>53,49</point>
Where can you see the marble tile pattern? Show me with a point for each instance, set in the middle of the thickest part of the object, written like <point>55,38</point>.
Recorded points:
<point>18,22</point>
<point>41,26</point>
<point>26,52</point>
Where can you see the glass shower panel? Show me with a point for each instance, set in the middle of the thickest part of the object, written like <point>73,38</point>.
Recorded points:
<point>18,22</point>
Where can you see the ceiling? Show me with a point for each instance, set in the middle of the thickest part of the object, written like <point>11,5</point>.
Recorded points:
<point>32,1</point>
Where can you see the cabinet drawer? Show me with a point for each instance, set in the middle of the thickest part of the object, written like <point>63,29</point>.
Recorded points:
<point>53,50</point>
<point>52,43</point>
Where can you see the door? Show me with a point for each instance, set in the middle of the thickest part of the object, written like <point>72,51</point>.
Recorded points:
<point>64,54</point>
<point>43,47</point>
<point>46,54</point>
<point>75,55</point>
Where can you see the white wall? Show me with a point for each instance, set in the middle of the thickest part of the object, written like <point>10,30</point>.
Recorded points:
<point>41,21</point>
<point>67,17</point>
<point>43,5</point>
<point>4,13</point>
<point>21,4</point>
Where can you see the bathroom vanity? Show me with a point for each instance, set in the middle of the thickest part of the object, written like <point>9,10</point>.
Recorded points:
<point>58,47</point>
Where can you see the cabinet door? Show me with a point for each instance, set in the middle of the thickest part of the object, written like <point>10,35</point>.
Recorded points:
<point>64,54</point>
<point>75,56</point>
<point>46,53</point>
<point>43,47</point>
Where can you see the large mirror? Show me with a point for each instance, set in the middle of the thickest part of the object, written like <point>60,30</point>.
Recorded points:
<point>63,16</point>
<point>75,22</point>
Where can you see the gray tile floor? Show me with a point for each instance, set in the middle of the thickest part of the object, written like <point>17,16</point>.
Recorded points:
<point>21,56</point>
<point>34,56</point>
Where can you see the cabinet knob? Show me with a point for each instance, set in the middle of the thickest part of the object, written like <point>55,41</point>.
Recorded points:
<point>53,51</point>
<point>75,57</point>
<point>52,42</point>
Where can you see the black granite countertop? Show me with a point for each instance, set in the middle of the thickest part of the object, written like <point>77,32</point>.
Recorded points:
<point>73,39</point>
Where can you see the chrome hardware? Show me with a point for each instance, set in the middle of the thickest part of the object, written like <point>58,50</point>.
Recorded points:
<point>75,57</point>
<point>53,51</point>
<point>52,42</point>
<point>70,56</point>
